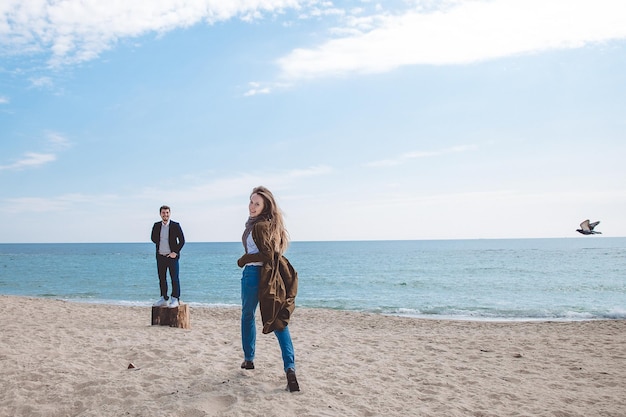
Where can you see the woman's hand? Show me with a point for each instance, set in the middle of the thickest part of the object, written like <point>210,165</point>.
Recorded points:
<point>250,257</point>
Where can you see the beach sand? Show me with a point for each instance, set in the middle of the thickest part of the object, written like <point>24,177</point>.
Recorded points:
<point>71,359</point>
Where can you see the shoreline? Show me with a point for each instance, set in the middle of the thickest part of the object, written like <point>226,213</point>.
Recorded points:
<point>479,319</point>
<point>71,359</point>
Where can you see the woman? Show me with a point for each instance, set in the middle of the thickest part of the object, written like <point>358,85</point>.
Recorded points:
<point>268,279</point>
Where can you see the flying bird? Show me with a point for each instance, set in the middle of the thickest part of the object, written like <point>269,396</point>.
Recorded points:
<point>586,228</point>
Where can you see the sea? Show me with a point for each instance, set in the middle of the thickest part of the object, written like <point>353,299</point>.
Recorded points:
<point>487,279</point>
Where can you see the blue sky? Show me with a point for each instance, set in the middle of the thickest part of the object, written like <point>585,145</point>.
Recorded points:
<point>368,120</point>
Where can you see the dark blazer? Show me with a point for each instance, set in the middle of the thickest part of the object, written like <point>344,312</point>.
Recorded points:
<point>176,237</point>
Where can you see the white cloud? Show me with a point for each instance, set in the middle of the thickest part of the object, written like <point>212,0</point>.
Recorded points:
<point>496,213</point>
<point>30,160</point>
<point>257,88</point>
<point>63,202</point>
<point>401,159</point>
<point>55,141</point>
<point>309,172</point>
<point>79,30</point>
<point>32,204</point>
<point>201,196</point>
<point>4,100</point>
<point>41,82</point>
<point>235,186</point>
<point>58,141</point>
<point>466,31</point>
<point>370,40</point>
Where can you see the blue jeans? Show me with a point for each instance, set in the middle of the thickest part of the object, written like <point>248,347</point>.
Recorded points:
<point>163,264</point>
<point>249,303</point>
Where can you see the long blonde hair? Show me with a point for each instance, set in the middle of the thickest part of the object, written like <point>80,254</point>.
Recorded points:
<point>278,232</point>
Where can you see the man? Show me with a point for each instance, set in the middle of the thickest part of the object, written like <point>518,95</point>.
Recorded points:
<point>169,239</point>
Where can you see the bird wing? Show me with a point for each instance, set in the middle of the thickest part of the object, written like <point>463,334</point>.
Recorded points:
<point>585,226</point>
<point>594,224</point>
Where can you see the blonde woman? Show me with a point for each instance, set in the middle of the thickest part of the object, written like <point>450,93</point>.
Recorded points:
<point>268,280</point>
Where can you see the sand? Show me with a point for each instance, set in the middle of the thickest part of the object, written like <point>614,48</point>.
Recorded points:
<point>71,359</point>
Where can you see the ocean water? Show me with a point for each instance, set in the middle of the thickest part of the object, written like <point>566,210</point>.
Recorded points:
<point>509,279</point>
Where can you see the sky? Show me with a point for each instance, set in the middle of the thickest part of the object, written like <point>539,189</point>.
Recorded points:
<point>407,119</point>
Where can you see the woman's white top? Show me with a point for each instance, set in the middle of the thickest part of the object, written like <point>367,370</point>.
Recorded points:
<point>251,249</point>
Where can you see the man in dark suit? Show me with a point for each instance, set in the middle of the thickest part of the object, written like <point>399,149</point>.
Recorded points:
<point>168,237</point>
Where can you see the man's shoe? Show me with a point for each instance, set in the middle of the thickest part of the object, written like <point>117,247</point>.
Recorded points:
<point>247,365</point>
<point>162,302</point>
<point>292,381</point>
<point>174,302</point>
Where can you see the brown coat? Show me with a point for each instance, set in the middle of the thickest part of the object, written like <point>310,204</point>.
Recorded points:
<point>278,284</point>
